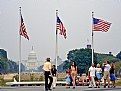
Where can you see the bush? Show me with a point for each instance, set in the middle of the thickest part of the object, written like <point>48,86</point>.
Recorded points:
<point>41,78</point>
<point>2,82</point>
<point>118,83</point>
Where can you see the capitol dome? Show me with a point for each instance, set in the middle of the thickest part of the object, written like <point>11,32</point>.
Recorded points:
<point>32,63</point>
<point>32,55</point>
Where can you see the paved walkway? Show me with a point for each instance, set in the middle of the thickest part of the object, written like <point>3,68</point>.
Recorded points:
<point>58,88</point>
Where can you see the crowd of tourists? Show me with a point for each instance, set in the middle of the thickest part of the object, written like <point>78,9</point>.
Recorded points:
<point>94,75</point>
<point>107,72</point>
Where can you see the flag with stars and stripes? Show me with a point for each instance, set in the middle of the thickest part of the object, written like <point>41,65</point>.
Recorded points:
<point>100,25</point>
<point>23,29</point>
<point>61,27</point>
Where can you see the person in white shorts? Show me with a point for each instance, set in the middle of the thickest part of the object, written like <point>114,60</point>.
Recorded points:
<point>91,75</point>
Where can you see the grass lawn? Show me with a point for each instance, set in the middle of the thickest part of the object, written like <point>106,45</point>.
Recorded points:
<point>118,82</point>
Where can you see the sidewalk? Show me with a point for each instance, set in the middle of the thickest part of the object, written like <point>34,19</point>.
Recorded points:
<point>58,88</point>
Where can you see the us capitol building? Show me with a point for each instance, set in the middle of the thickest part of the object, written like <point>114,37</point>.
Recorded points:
<point>32,64</point>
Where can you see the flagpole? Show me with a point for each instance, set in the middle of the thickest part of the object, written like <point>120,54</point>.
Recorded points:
<point>20,52</point>
<point>56,54</point>
<point>92,39</point>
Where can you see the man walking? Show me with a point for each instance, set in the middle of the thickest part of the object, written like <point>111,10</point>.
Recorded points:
<point>91,75</point>
<point>47,73</point>
<point>107,74</point>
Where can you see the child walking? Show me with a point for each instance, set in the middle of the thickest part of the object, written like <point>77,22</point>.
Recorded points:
<point>55,75</point>
<point>68,79</point>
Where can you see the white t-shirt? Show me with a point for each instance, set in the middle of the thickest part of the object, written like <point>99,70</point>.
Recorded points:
<point>98,70</point>
<point>107,68</point>
<point>92,71</point>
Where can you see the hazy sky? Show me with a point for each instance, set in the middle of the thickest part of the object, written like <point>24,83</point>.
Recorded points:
<point>40,20</point>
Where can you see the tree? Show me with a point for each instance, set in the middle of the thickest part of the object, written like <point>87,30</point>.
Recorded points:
<point>4,64</point>
<point>22,68</point>
<point>119,55</point>
<point>13,66</point>
<point>83,58</point>
<point>1,67</point>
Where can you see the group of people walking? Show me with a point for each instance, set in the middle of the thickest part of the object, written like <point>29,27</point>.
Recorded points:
<point>107,72</point>
<point>95,75</point>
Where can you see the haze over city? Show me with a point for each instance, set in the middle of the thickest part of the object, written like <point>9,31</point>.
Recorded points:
<point>40,21</point>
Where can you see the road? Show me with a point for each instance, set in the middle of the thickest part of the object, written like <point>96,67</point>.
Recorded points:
<point>58,88</point>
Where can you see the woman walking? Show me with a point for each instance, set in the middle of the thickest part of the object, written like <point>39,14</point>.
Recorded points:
<point>98,74</point>
<point>73,73</point>
<point>112,75</point>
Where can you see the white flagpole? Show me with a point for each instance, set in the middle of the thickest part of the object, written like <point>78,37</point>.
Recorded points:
<point>92,40</point>
<point>56,41</point>
<point>20,52</point>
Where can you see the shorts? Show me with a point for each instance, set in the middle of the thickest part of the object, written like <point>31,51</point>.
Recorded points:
<point>73,74</point>
<point>113,77</point>
<point>99,76</point>
<point>106,75</point>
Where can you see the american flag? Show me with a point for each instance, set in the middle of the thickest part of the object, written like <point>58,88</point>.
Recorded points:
<point>61,27</point>
<point>23,29</point>
<point>101,25</point>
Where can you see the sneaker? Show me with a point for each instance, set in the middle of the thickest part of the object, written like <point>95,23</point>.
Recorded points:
<point>73,87</point>
<point>89,87</point>
<point>104,86</point>
<point>108,86</point>
<point>98,86</point>
<point>67,87</point>
<point>50,89</point>
<point>95,87</point>
<point>53,87</point>
<point>114,86</point>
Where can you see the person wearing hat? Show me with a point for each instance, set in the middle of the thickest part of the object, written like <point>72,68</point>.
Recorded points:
<point>47,73</point>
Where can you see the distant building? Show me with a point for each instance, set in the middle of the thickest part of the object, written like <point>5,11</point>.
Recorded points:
<point>89,46</point>
<point>110,53</point>
<point>32,64</point>
<point>3,53</point>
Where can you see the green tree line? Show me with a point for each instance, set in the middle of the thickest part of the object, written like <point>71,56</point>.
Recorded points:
<point>83,59</point>
<point>8,66</point>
